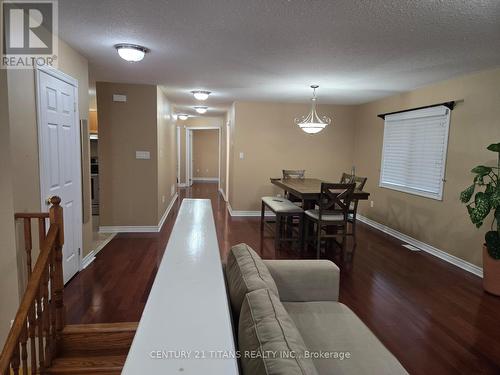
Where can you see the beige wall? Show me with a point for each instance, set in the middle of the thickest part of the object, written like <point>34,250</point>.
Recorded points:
<point>9,291</point>
<point>206,154</point>
<point>475,123</point>
<point>270,141</point>
<point>166,153</point>
<point>128,186</point>
<point>194,122</point>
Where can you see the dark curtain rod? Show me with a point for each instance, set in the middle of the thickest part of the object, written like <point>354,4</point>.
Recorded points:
<point>449,105</point>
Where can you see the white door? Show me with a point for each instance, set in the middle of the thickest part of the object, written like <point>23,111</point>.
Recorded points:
<point>59,153</point>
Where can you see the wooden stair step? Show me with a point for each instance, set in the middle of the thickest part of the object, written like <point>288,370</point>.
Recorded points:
<point>80,340</point>
<point>102,365</point>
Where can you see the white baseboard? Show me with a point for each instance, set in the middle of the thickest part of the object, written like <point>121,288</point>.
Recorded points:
<point>223,194</point>
<point>206,179</point>
<point>90,257</point>
<point>247,213</point>
<point>167,211</point>
<point>472,268</point>
<point>140,229</point>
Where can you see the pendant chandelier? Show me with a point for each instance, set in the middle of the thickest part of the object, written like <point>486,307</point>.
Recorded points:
<point>313,123</point>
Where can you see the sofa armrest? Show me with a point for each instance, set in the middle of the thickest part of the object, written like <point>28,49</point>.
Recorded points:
<point>305,280</point>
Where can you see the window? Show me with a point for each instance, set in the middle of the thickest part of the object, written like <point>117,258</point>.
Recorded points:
<point>414,151</point>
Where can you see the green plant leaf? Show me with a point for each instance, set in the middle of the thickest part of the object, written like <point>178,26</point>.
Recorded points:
<point>481,209</point>
<point>466,195</point>
<point>495,147</point>
<point>492,239</point>
<point>481,170</point>
<point>495,199</point>
<point>490,189</point>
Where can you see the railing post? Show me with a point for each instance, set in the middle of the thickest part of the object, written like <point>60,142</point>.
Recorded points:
<point>56,218</point>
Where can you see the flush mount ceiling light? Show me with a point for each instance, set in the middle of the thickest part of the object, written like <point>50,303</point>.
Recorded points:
<point>131,52</point>
<point>201,109</point>
<point>182,116</point>
<point>200,94</point>
<point>313,123</point>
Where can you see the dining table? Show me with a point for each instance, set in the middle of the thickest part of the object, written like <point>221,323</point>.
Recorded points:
<point>309,190</point>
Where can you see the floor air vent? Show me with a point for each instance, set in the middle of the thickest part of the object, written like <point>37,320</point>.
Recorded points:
<point>410,247</point>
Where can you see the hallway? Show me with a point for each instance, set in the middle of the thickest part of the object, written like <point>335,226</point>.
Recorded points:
<point>430,314</point>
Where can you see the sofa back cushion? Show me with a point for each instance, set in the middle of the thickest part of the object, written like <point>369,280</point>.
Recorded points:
<point>268,340</point>
<point>246,272</point>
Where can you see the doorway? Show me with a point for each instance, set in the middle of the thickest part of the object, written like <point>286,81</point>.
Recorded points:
<point>60,158</point>
<point>203,153</point>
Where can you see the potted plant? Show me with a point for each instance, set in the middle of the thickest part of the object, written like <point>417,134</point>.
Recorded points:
<point>486,192</point>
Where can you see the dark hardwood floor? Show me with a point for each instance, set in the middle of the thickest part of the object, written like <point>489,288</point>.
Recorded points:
<point>433,316</point>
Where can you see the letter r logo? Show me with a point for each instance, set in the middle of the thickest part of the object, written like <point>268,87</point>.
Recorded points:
<point>27,27</point>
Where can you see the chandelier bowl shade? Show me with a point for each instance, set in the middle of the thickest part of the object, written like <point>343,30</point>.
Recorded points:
<point>313,123</point>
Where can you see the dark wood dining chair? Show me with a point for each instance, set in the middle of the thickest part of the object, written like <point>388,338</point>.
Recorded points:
<point>359,181</point>
<point>294,173</point>
<point>331,217</point>
<point>353,208</point>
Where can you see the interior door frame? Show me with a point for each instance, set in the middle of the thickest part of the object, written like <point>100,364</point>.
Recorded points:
<point>189,151</point>
<point>228,146</point>
<point>178,143</point>
<point>42,168</point>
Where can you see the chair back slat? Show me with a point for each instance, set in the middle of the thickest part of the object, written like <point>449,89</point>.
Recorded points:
<point>335,198</point>
<point>294,173</point>
<point>349,178</point>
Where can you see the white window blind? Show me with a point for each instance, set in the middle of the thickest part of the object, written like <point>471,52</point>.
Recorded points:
<point>414,151</point>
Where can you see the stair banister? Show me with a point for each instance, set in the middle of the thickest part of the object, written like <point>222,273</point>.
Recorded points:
<point>39,321</point>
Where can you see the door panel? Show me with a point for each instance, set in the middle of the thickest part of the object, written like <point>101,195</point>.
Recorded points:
<point>60,168</point>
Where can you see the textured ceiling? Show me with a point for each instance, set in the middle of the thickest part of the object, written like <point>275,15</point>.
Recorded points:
<point>356,50</point>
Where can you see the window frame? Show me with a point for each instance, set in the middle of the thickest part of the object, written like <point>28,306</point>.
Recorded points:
<point>414,114</point>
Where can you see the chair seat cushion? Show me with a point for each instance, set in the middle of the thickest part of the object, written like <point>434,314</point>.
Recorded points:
<point>314,214</point>
<point>246,272</point>
<point>281,205</point>
<point>332,327</point>
<point>265,328</point>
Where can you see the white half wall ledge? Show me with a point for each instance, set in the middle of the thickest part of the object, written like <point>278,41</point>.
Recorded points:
<point>443,255</point>
<point>141,229</point>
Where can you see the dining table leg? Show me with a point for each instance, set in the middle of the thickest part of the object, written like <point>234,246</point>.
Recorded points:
<point>307,204</point>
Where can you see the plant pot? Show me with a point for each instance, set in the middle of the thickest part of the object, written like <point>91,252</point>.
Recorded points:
<point>491,273</point>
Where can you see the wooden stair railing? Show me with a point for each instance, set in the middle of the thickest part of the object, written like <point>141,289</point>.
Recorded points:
<point>33,339</point>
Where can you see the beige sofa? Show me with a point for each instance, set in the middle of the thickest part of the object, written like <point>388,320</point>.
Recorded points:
<point>288,320</point>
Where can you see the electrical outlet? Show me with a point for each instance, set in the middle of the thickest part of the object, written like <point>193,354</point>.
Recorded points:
<point>278,195</point>
<point>172,189</point>
<point>162,199</point>
<point>371,203</point>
